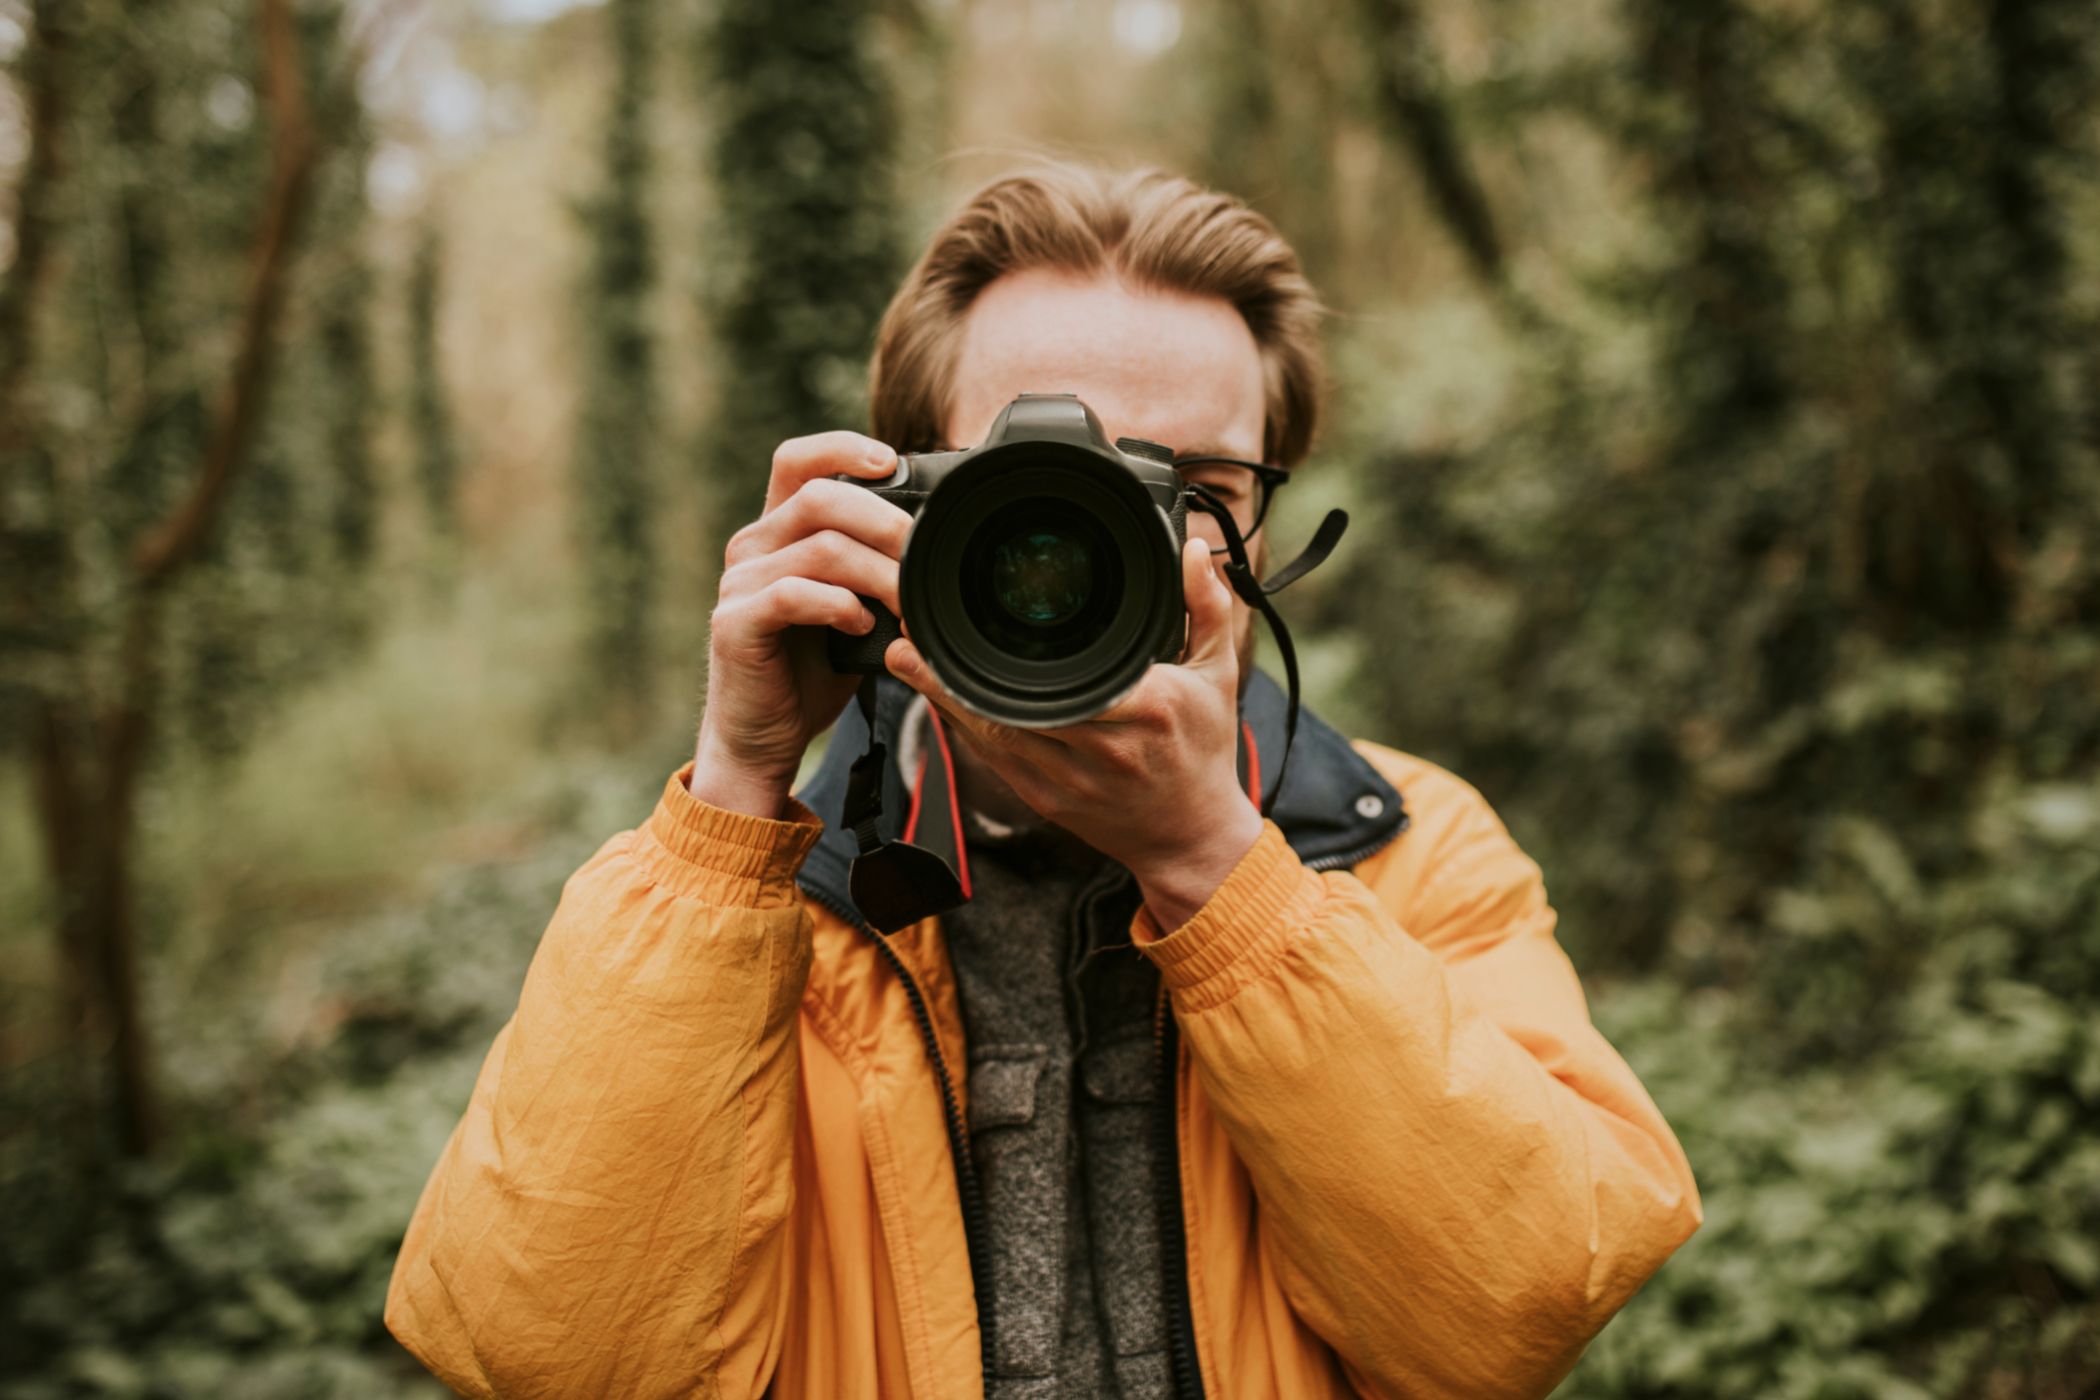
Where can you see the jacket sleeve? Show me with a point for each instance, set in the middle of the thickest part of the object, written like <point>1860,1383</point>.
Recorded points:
<point>607,1218</point>
<point>1459,1179</point>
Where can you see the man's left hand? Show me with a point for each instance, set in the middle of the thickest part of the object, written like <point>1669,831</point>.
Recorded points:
<point>1151,782</point>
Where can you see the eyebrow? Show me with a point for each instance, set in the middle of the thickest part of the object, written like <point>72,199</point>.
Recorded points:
<point>1208,450</point>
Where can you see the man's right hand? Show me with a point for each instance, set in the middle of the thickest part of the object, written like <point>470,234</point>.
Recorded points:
<point>786,577</point>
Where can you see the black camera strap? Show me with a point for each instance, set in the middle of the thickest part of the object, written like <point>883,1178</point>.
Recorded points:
<point>1239,572</point>
<point>895,884</point>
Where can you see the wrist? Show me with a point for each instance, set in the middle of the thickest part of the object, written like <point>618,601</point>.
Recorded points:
<point>1178,883</point>
<point>737,785</point>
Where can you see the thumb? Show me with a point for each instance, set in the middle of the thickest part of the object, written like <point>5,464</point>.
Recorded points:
<point>1210,611</point>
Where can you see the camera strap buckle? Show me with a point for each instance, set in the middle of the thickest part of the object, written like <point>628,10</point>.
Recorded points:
<point>894,884</point>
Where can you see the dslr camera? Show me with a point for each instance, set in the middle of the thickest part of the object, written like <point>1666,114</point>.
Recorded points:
<point>1042,574</point>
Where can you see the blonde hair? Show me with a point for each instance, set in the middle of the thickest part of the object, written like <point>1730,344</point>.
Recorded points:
<point>1157,229</point>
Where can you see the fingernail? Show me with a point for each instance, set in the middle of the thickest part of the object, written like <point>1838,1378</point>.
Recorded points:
<point>867,620</point>
<point>882,457</point>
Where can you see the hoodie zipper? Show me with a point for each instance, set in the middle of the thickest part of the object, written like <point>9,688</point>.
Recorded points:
<point>975,1236</point>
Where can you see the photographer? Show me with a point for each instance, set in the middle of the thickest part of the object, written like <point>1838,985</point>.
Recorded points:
<point>1181,1100</point>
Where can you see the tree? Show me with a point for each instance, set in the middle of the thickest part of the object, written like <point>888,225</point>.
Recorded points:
<point>106,521</point>
<point>805,243</point>
<point>429,406</point>
<point>615,474</point>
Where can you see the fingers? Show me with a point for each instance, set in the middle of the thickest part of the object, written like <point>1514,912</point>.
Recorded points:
<point>805,459</point>
<point>1033,747</point>
<point>1209,653</point>
<point>819,544</point>
<point>818,506</point>
<point>792,602</point>
<point>828,556</point>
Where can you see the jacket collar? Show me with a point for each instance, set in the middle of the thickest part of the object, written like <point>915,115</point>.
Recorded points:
<point>1335,808</point>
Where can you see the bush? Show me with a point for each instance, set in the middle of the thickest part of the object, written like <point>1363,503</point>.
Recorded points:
<point>1923,1221</point>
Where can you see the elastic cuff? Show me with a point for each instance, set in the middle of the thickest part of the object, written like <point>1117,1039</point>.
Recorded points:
<point>724,857</point>
<point>1269,897</point>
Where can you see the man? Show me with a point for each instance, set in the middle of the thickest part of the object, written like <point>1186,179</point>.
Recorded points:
<point>1180,1102</point>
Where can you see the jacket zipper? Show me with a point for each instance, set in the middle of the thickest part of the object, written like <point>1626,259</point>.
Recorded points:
<point>1183,1363</point>
<point>1185,1366</point>
<point>975,1235</point>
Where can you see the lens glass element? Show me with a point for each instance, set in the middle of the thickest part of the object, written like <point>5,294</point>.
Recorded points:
<point>1042,576</point>
<point>1040,579</point>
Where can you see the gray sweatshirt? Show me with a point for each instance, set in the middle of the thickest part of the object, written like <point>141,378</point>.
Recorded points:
<point>1057,1010</point>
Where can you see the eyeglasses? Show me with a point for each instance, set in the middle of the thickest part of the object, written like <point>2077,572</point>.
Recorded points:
<point>1244,488</point>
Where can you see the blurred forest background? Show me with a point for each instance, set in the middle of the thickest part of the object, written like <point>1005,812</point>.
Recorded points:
<point>1718,399</point>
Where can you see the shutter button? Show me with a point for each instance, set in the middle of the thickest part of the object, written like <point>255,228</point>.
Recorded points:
<point>1369,805</point>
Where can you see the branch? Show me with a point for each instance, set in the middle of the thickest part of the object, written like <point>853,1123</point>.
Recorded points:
<point>164,550</point>
<point>1409,89</point>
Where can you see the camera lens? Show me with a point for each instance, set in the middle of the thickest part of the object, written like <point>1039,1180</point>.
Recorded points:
<point>1040,581</point>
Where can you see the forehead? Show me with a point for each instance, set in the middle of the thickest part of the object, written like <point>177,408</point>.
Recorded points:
<point>1170,366</point>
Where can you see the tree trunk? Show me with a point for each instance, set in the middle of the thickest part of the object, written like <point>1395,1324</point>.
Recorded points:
<point>86,814</point>
<point>60,798</point>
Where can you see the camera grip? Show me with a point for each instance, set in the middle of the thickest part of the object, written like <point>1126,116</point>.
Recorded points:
<point>862,655</point>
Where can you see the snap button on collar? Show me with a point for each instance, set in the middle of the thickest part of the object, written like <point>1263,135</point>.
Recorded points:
<point>1370,805</point>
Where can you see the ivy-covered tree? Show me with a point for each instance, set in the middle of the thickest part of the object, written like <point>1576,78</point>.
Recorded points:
<point>1857,428</point>
<point>804,245</point>
<point>1269,135</point>
<point>340,377</point>
<point>346,343</point>
<point>615,478</point>
<point>279,591</point>
<point>429,403</point>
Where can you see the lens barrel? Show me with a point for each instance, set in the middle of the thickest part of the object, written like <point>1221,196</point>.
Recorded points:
<point>1041,579</point>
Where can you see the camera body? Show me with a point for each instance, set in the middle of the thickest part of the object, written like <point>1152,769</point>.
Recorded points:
<point>1042,574</point>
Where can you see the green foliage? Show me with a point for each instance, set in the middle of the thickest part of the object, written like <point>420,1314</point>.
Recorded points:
<point>1740,537</point>
<point>1753,571</point>
<point>253,1261</point>
<point>805,248</point>
<point>1924,1221</point>
<point>342,915</point>
<point>347,344</point>
<point>1745,545</point>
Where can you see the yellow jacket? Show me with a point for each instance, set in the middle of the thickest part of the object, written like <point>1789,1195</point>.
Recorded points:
<point>712,1150</point>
